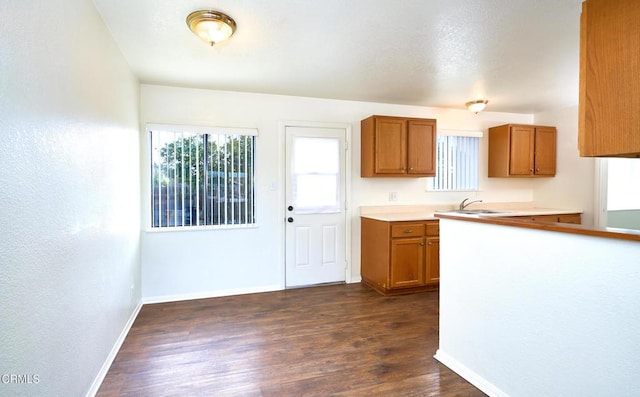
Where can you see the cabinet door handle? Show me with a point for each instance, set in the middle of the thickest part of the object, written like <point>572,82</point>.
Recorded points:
<point>537,169</point>
<point>423,244</point>
<point>408,231</point>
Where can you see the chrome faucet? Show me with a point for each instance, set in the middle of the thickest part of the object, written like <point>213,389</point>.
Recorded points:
<point>464,203</point>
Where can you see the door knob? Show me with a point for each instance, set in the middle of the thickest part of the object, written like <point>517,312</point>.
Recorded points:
<point>290,219</point>
<point>290,208</point>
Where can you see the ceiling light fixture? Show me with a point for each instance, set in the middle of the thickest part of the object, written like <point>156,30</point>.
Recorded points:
<point>211,26</point>
<point>476,106</point>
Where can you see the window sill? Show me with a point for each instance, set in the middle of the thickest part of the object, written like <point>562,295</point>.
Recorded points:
<point>182,229</point>
<point>453,191</point>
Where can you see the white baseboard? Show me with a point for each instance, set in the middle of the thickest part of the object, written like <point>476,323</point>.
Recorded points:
<point>97,382</point>
<point>209,294</point>
<point>481,383</point>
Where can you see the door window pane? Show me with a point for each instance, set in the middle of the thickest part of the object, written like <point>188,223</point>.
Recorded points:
<point>316,175</point>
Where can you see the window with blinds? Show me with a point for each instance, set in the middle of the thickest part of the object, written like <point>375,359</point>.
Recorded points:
<point>202,177</point>
<point>457,160</point>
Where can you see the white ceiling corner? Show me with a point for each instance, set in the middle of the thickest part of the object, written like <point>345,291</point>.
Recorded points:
<point>521,55</point>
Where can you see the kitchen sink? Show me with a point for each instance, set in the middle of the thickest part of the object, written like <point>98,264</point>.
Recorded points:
<point>477,212</point>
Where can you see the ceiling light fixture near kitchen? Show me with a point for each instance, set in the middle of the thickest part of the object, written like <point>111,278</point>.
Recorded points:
<point>476,106</point>
<point>211,26</point>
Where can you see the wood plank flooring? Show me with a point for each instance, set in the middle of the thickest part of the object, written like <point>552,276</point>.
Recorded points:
<point>339,340</point>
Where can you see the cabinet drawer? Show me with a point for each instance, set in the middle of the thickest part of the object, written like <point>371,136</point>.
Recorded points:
<point>570,218</point>
<point>407,230</point>
<point>563,218</point>
<point>545,218</point>
<point>433,228</point>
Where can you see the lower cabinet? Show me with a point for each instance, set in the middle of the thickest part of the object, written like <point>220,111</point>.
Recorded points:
<point>560,218</point>
<point>400,257</point>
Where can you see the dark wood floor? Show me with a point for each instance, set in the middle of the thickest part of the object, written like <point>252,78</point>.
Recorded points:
<point>340,340</point>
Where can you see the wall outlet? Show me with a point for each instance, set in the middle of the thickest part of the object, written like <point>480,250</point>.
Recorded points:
<point>393,196</point>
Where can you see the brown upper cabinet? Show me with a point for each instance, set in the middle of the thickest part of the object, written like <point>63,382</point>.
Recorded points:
<point>609,102</point>
<point>522,151</point>
<point>398,147</point>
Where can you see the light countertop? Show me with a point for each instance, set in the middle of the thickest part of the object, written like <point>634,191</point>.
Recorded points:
<point>425,213</point>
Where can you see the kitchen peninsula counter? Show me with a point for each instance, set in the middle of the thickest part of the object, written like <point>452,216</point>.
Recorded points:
<point>498,219</point>
<point>524,301</point>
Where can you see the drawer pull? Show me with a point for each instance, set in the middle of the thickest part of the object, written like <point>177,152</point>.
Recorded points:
<point>408,231</point>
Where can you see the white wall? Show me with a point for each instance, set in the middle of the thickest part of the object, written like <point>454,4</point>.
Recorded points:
<point>208,263</point>
<point>537,313</point>
<point>69,223</point>
<point>573,185</point>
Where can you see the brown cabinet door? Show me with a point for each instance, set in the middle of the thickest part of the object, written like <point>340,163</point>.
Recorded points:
<point>433,260</point>
<point>609,120</point>
<point>390,146</point>
<point>407,263</point>
<point>421,141</point>
<point>521,150</point>
<point>545,151</point>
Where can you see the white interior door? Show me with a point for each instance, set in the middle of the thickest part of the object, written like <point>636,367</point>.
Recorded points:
<point>315,206</point>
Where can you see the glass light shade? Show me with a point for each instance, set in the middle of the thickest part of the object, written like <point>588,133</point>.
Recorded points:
<point>476,106</point>
<point>211,26</point>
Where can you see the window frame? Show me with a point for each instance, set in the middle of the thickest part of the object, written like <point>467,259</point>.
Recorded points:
<point>147,196</point>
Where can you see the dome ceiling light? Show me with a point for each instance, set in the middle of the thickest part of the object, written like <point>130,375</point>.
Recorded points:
<point>476,106</point>
<point>211,26</point>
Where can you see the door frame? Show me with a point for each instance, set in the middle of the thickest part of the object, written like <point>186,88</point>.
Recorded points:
<point>282,126</point>
<point>600,192</point>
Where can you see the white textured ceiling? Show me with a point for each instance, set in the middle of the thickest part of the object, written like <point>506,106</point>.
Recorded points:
<point>521,55</point>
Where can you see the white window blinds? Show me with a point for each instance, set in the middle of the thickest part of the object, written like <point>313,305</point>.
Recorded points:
<point>457,159</point>
<point>202,176</point>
